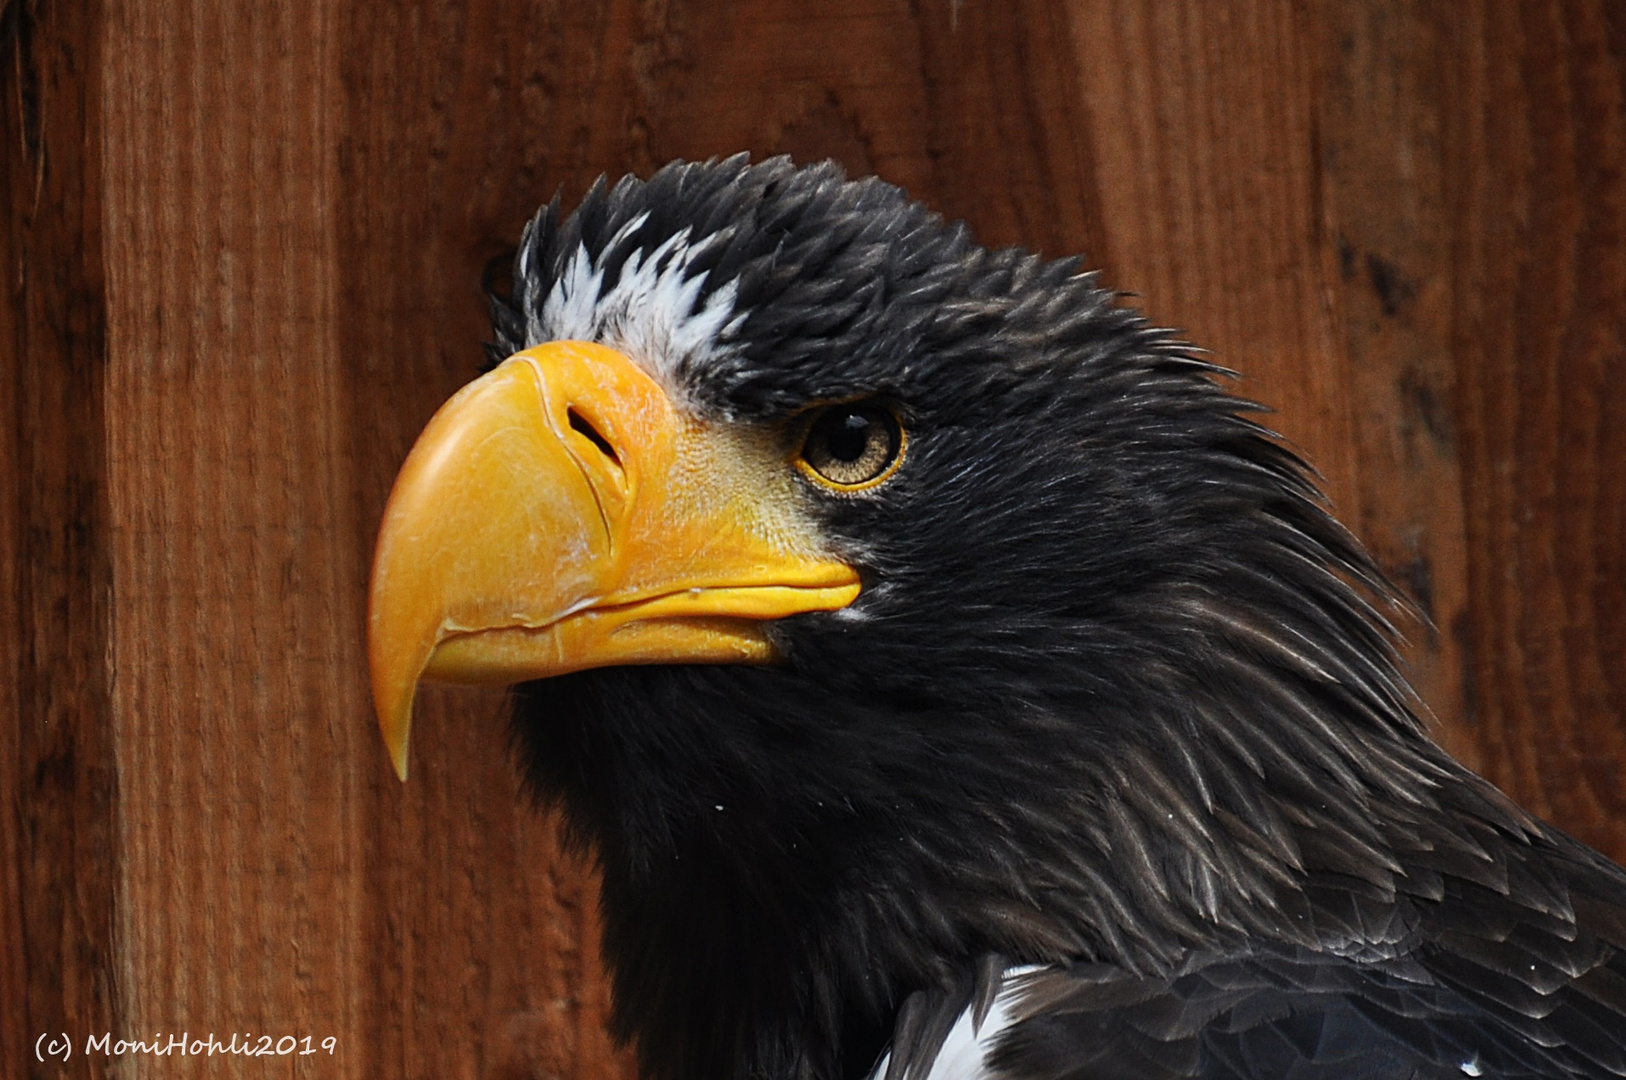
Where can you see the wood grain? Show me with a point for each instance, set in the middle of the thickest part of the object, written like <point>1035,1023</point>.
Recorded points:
<point>245,254</point>
<point>59,791</point>
<point>1535,146</point>
<point>1386,269</point>
<point>233,648</point>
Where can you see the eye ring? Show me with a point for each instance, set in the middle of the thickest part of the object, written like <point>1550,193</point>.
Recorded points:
<point>852,446</point>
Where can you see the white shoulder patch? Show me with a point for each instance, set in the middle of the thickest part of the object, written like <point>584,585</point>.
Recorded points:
<point>649,314</point>
<point>964,1054</point>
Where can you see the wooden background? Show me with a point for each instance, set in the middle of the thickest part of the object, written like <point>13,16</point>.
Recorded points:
<point>242,263</point>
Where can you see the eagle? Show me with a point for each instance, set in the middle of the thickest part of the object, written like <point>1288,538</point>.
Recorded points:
<point>952,679</point>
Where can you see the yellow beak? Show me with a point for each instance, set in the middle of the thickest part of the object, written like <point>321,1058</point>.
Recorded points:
<point>560,513</point>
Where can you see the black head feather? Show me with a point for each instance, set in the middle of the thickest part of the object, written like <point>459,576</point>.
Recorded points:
<point>1115,692</point>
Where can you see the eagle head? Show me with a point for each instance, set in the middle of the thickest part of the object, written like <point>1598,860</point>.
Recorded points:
<point>883,607</point>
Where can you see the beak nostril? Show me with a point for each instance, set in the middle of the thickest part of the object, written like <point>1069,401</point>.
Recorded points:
<point>584,427</point>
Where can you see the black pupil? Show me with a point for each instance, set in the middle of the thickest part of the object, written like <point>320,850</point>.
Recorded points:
<point>849,437</point>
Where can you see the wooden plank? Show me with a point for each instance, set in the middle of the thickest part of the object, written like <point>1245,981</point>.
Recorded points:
<point>238,686</point>
<point>1535,153</point>
<point>482,946</point>
<point>1205,133</point>
<point>1386,241</point>
<point>59,793</point>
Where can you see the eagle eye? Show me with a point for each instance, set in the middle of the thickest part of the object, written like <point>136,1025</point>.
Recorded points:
<point>852,446</point>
